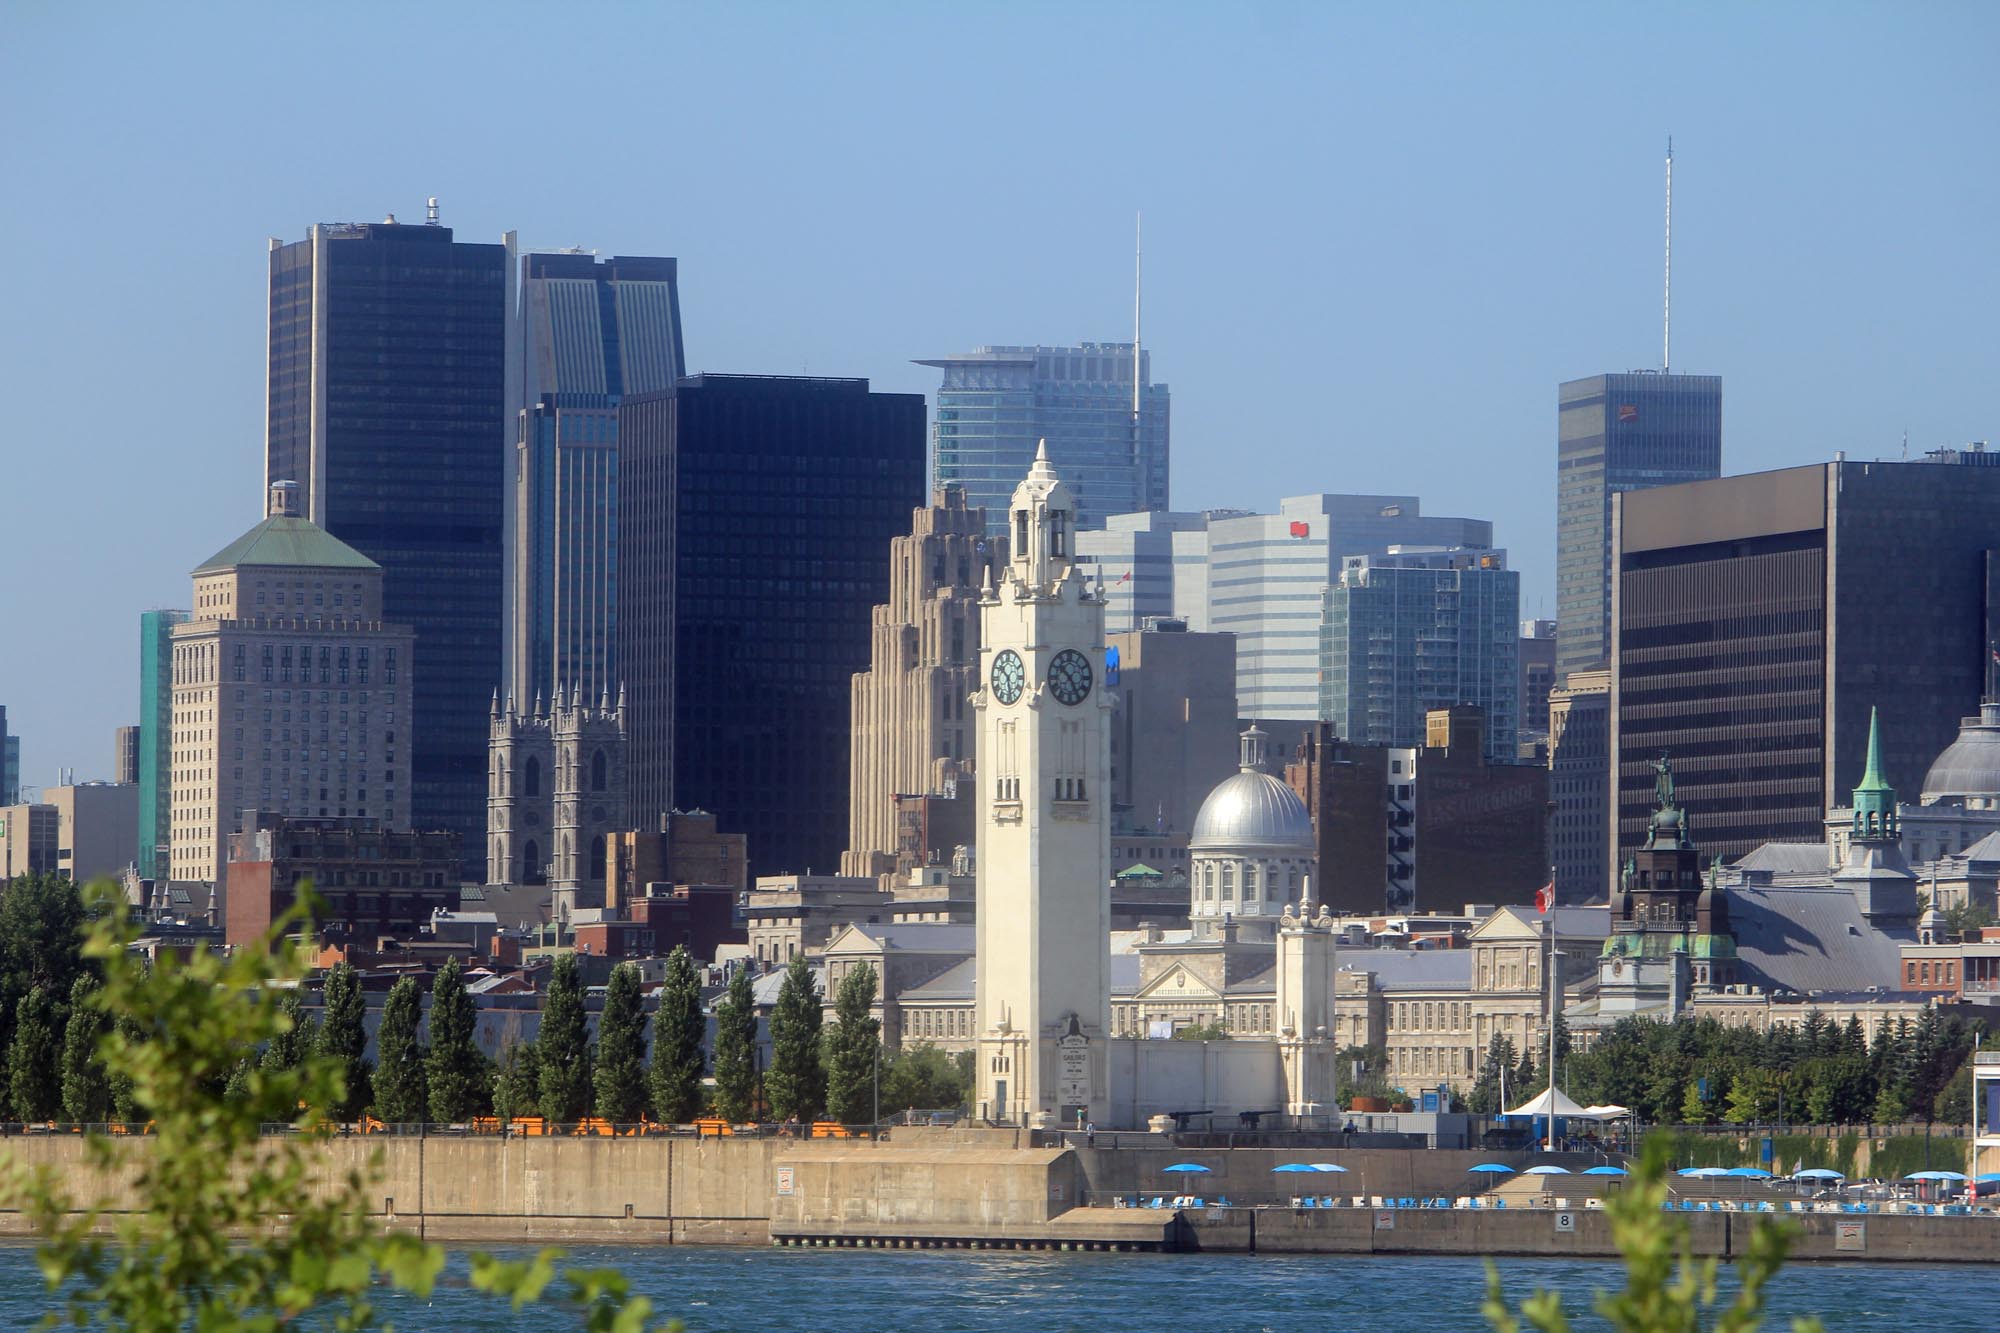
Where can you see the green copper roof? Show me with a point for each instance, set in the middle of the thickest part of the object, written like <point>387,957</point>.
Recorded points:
<point>287,541</point>
<point>1874,800</point>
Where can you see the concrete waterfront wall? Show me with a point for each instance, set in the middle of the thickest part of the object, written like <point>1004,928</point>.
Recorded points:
<point>1244,1175</point>
<point>923,1189</point>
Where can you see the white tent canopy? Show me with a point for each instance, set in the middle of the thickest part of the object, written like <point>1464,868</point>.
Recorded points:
<point>1551,1101</point>
<point>1606,1112</point>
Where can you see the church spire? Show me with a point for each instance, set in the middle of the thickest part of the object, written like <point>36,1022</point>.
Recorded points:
<point>1875,800</point>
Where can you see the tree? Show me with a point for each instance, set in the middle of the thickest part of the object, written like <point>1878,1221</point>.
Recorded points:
<point>400,1096</point>
<point>517,1084</point>
<point>86,1093</point>
<point>1522,1082</point>
<point>1484,1098</point>
<point>343,1039</point>
<point>854,1049</point>
<point>455,1072</point>
<point>41,942</point>
<point>1695,1109</point>
<point>294,1039</point>
<point>1667,1289</point>
<point>621,1049</point>
<point>677,1032</point>
<point>923,1078</point>
<point>736,1049</point>
<point>124,1103</point>
<point>1749,1094</point>
<point>796,1083</point>
<point>563,1045</point>
<point>34,1092</point>
<point>1201,1032</point>
<point>193,1245</point>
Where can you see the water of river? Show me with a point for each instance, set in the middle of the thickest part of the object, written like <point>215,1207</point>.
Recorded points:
<point>782,1291</point>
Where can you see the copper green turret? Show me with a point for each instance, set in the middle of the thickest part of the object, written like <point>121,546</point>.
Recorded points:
<point>1875,800</point>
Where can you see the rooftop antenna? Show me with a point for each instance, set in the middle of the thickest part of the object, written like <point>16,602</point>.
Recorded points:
<point>431,211</point>
<point>1667,301</point>
<point>1138,261</point>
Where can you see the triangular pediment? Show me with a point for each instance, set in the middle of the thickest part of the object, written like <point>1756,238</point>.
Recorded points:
<point>1505,924</point>
<point>1178,982</point>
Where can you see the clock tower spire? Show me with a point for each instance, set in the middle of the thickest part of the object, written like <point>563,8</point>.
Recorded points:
<point>1043,994</point>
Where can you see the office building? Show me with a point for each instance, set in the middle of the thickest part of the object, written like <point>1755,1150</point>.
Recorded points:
<point>1758,619</point>
<point>996,404</point>
<point>1618,433</point>
<point>374,883</point>
<point>755,513</point>
<point>1173,729</point>
<point>125,756</point>
<point>1153,565</point>
<point>291,694</point>
<point>10,765</point>
<point>1411,631</point>
<point>388,394</point>
<point>1424,827</point>
<point>593,331</point>
<point>1580,786</point>
<point>911,737</point>
<point>81,832</point>
<point>1538,677</point>
<point>27,839</point>
<point>156,720</point>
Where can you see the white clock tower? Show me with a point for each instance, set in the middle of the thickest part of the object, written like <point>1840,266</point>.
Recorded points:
<point>1043,763</point>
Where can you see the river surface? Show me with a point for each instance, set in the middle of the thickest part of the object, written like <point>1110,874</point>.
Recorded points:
<point>849,1291</point>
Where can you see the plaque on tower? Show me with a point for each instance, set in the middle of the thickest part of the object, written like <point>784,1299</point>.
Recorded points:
<point>1073,1065</point>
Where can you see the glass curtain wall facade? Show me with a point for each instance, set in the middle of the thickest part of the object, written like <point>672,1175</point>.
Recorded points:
<point>757,514</point>
<point>1403,634</point>
<point>1618,433</point>
<point>996,403</point>
<point>593,332</point>
<point>156,715</point>
<point>387,403</point>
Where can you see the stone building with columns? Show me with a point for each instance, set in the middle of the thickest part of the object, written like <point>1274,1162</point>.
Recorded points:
<point>911,735</point>
<point>1252,850</point>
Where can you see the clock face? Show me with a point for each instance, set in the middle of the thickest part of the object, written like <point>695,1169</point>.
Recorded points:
<point>1069,676</point>
<point>1008,676</point>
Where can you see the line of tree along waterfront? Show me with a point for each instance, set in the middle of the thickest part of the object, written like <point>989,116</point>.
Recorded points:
<point>436,1072</point>
<point>1696,1071</point>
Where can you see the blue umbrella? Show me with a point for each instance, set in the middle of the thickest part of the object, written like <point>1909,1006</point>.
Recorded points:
<point>1605,1171</point>
<point>1935,1175</point>
<point>1547,1171</point>
<point>1491,1168</point>
<point>1328,1166</point>
<point>1818,1173</point>
<point>1748,1173</point>
<point>1294,1166</point>
<point>1702,1172</point>
<point>1988,1178</point>
<point>1184,1166</point>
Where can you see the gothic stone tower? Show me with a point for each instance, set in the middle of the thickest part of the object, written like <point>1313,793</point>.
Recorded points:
<point>911,735</point>
<point>1043,975</point>
<point>555,788</point>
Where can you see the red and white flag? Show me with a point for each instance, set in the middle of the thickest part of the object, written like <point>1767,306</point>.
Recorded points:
<point>1545,897</point>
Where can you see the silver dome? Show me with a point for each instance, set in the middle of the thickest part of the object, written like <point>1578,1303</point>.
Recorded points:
<point>1970,765</point>
<point>1252,810</point>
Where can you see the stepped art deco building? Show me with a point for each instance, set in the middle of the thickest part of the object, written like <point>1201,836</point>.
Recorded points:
<point>911,733</point>
<point>291,695</point>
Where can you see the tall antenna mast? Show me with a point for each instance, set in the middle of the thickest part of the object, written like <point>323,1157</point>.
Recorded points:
<point>1138,260</point>
<point>1667,302</point>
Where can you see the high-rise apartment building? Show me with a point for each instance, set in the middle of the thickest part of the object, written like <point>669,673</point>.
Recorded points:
<point>388,394</point>
<point>156,727</point>
<point>1758,619</point>
<point>1412,631</point>
<point>1580,786</point>
<point>996,404</point>
<point>911,735</point>
<point>593,331</point>
<point>125,756</point>
<point>291,694</point>
<point>755,513</point>
<point>1618,433</point>
<point>1538,676</point>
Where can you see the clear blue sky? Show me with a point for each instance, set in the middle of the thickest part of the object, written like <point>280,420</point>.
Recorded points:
<point>1376,237</point>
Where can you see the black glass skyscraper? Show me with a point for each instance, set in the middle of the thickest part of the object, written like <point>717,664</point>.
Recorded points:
<point>1618,433</point>
<point>755,515</point>
<point>387,404</point>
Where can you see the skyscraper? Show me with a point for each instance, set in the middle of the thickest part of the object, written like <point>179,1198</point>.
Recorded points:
<point>1760,619</point>
<point>125,756</point>
<point>593,331</point>
<point>996,404</point>
<point>10,762</point>
<point>1617,433</point>
<point>756,515</point>
<point>1404,633</point>
<point>156,725</point>
<point>387,404</point>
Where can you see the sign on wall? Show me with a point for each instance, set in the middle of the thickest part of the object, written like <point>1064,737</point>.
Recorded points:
<point>787,1181</point>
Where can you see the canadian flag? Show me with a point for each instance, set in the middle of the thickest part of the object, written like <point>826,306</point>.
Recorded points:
<point>1545,897</point>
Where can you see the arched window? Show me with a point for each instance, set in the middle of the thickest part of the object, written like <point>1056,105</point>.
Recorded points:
<point>531,862</point>
<point>531,778</point>
<point>1229,882</point>
<point>597,767</point>
<point>597,855</point>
